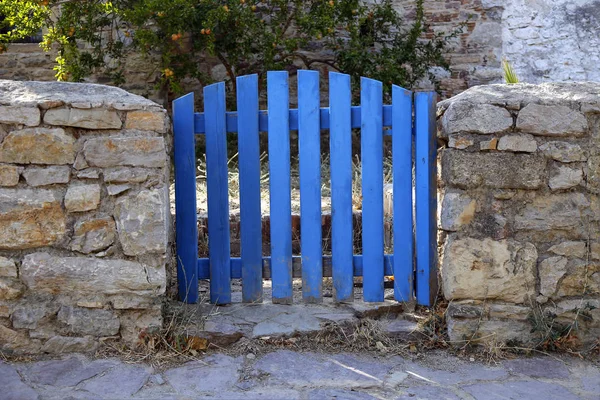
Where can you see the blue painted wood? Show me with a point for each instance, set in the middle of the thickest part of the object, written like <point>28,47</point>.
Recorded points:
<point>249,170</point>
<point>236,266</point>
<point>402,173</point>
<point>263,119</point>
<point>185,198</point>
<point>426,197</point>
<point>217,188</point>
<point>371,98</point>
<point>340,143</point>
<point>309,137</point>
<point>279,190</point>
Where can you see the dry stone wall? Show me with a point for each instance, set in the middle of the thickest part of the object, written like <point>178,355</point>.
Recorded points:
<point>84,215</point>
<point>520,211</point>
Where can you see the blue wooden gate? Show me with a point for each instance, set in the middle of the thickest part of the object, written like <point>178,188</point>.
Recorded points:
<point>410,119</point>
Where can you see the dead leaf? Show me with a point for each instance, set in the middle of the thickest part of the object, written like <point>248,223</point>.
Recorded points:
<point>197,343</point>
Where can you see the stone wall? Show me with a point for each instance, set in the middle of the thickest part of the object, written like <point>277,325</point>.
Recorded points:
<point>545,40</point>
<point>520,211</point>
<point>84,215</point>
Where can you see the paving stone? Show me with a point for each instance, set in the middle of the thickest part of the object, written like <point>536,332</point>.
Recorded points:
<point>11,385</point>
<point>538,367</point>
<point>120,382</point>
<point>65,373</point>
<point>217,373</point>
<point>428,392</point>
<point>266,393</point>
<point>460,373</point>
<point>519,390</point>
<point>300,370</point>
<point>339,394</point>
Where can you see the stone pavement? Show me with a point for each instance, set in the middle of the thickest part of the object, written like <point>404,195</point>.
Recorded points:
<point>285,374</point>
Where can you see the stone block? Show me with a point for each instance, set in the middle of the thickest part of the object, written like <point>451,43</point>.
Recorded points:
<point>487,269</point>
<point>126,151</point>
<point>551,270</point>
<point>126,175</point>
<point>142,222</point>
<point>89,173</point>
<point>69,344</point>
<point>38,146</point>
<point>9,175</point>
<point>48,175</point>
<point>581,278</point>
<point>564,151</point>
<point>462,116</point>
<point>114,190</point>
<point>460,142</point>
<point>27,316</point>
<point>82,118</point>
<point>146,121</point>
<point>556,211</point>
<point>17,342</point>
<point>585,311</point>
<point>85,321</point>
<point>133,322</point>
<point>492,331</point>
<point>82,197</point>
<point>564,177</point>
<point>518,143</point>
<point>551,120</point>
<point>93,235</point>
<point>8,268</point>
<point>81,276</point>
<point>491,144</point>
<point>457,211</point>
<point>10,288</point>
<point>29,116</point>
<point>30,218</point>
<point>593,173</point>
<point>569,249</point>
<point>496,170</point>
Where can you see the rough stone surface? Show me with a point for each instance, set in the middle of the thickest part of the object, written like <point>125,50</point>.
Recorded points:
<point>458,210</point>
<point>49,175</point>
<point>564,151</point>
<point>12,386</point>
<point>9,175</point>
<point>93,235</point>
<point>85,321</point>
<point>8,269</point>
<point>565,177</point>
<point>569,249</point>
<point>475,118</point>
<point>50,274</point>
<point>518,143</point>
<point>142,222</point>
<point>82,197</point>
<point>68,344</point>
<point>134,151</point>
<point>460,142</point>
<point>488,269</point>
<point>38,146</point>
<point>214,375</point>
<point>551,270</point>
<point>146,121</point>
<point>30,218</point>
<point>126,175</point>
<point>493,170</point>
<point>80,118</point>
<point>558,211</point>
<point>551,120</point>
<point>29,116</point>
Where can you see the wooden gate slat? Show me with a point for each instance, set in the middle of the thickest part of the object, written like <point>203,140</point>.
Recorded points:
<point>372,188</point>
<point>249,171</point>
<point>426,197</point>
<point>341,185</point>
<point>309,137</point>
<point>280,196</point>
<point>185,198</point>
<point>402,172</point>
<point>217,188</point>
